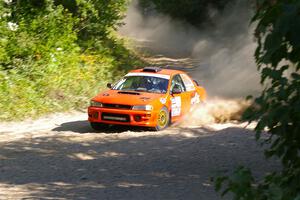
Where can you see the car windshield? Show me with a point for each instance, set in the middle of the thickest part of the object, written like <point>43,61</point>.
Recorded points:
<point>143,84</point>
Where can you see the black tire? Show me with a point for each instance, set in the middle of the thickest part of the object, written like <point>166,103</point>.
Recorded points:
<point>163,119</point>
<point>98,126</point>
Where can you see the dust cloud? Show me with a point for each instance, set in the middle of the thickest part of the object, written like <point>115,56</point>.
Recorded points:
<point>219,56</point>
<point>216,110</point>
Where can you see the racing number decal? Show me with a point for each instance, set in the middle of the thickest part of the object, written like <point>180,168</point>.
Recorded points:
<point>176,106</point>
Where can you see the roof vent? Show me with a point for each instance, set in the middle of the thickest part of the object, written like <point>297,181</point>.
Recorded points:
<point>152,69</point>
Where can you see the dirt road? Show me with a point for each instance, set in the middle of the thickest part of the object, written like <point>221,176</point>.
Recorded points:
<point>61,157</point>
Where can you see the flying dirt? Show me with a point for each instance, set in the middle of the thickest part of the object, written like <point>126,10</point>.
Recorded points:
<point>220,58</point>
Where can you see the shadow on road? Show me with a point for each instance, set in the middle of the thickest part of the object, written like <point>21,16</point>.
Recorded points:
<point>84,127</point>
<point>151,166</point>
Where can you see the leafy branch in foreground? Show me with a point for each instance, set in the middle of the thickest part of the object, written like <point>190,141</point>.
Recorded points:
<point>277,110</point>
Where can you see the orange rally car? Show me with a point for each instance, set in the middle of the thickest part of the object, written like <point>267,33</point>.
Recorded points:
<point>149,97</point>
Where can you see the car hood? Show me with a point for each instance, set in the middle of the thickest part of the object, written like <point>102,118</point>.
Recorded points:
<point>127,97</point>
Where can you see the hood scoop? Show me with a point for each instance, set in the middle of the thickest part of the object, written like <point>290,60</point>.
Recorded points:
<point>129,92</point>
<point>145,98</point>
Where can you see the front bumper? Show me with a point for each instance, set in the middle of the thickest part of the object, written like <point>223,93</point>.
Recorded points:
<point>122,117</point>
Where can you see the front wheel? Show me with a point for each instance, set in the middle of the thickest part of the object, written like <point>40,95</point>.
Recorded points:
<point>163,119</point>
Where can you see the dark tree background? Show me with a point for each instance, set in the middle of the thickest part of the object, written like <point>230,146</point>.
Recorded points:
<point>195,12</point>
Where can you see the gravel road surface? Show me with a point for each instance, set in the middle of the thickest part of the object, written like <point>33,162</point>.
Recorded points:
<point>61,157</point>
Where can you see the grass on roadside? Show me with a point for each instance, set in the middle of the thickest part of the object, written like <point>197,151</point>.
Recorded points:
<point>66,82</point>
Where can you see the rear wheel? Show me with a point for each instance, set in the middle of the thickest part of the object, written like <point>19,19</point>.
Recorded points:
<point>98,126</point>
<point>163,119</point>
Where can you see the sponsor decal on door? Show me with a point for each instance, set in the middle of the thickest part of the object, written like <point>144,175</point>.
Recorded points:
<point>176,106</point>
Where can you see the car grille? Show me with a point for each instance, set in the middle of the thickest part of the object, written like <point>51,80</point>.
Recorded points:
<point>117,106</point>
<point>115,117</point>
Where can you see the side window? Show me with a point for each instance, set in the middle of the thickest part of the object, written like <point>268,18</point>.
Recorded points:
<point>188,83</point>
<point>177,81</point>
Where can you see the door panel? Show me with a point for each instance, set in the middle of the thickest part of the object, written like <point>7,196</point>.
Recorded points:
<point>180,103</point>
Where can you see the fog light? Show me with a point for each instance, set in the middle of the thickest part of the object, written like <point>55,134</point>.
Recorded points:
<point>137,118</point>
<point>96,115</point>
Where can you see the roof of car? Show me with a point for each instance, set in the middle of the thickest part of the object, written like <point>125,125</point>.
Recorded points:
<point>160,71</point>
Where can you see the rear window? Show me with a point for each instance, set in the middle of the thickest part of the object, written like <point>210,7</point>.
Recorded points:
<point>188,83</point>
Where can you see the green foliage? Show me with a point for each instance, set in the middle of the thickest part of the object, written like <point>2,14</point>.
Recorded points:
<point>195,12</point>
<point>55,55</point>
<point>239,184</point>
<point>96,18</point>
<point>277,110</point>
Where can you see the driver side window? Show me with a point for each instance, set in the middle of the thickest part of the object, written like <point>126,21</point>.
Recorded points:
<point>178,83</point>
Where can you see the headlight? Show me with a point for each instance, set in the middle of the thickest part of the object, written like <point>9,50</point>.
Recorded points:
<point>143,107</point>
<point>96,104</point>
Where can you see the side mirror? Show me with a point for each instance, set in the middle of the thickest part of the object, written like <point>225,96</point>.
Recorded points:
<point>176,90</point>
<point>109,85</point>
